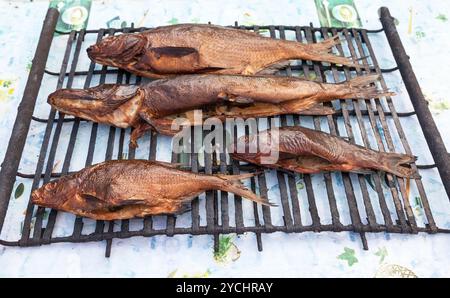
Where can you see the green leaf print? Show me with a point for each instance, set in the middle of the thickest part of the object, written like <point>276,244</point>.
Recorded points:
<point>349,256</point>
<point>441,105</point>
<point>46,214</point>
<point>7,83</point>
<point>418,207</point>
<point>173,21</point>
<point>311,75</point>
<point>300,185</point>
<point>227,251</point>
<point>437,105</point>
<point>28,67</point>
<point>225,243</point>
<point>442,17</point>
<point>418,202</point>
<point>382,253</point>
<point>420,34</point>
<point>19,190</point>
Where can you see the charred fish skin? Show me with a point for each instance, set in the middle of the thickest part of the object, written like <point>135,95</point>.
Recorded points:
<point>197,48</point>
<point>222,96</point>
<point>112,104</point>
<point>309,151</point>
<point>283,94</point>
<point>122,189</point>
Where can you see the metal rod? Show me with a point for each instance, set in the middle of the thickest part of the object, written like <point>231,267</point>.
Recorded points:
<point>56,136</point>
<point>293,67</point>
<point>392,180</point>
<point>292,220</point>
<point>349,190</point>
<point>430,130</point>
<point>362,182</point>
<point>25,109</point>
<point>45,142</point>
<point>265,27</point>
<point>312,208</point>
<point>338,113</point>
<point>195,217</point>
<point>202,231</point>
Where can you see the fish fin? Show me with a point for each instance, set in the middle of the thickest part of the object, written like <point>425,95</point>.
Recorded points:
<point>273,68</point>
<point>96,202</point>
<point>239,99</point>
<point>362,171</point>
<point>173,165</point>
<point>138,131</point>
<point>222,95</point>
<point>398,164</point>
<point>92,202</point>
<point>185,207</point>
<point>131,201</point>
<point>160,125</point>
<point>234,98</point>
<point>209,69</point>
<point>364,87</point>
<point>317,110</point>
<point>237,177</point>
<point>321,51</point>
<point>299,105</point>
<point>233,185</point>
<point>248,70</point>
<point>176,60</point>
<point>117,97</point>
<point>173,52</point>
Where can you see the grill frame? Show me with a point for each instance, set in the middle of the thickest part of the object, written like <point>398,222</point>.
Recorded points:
<point>289,196</point>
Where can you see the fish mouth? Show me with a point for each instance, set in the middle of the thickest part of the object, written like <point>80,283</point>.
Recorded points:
<point>43,195</point>
<point>36,197</point>
<point>74,101</point>
<point>98,100</point>
<point>115,50</point>
<point>95,53</point>
<point>112,104</point>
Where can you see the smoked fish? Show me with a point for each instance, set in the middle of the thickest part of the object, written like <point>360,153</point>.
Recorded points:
<point>123,189</point>
<point>199,48</point>
<point>304,150</point>
<point>156,104</point>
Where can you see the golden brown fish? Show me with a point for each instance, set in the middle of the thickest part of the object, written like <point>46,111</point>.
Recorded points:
<point>156,104</point>
<point>123,189</point>
<point>195,48</point>
<point>304,150</point>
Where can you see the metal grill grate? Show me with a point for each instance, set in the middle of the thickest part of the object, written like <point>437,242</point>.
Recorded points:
<point>356,119</point>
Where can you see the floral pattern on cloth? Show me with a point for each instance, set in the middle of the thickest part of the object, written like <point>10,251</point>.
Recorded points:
<point>423,27</point>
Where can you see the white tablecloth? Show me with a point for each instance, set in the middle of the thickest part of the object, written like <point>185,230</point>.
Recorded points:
<point>424,29</point>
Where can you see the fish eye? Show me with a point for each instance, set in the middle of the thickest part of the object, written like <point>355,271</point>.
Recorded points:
<point>50,186</point>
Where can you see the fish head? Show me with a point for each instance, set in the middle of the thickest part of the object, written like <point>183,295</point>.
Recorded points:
<point>106,103</point>
<point>117,50</point>
<point>55,193</point>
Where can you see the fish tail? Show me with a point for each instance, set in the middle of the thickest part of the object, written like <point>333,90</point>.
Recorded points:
<point>397,164</point>
<point>237,177</point>
<point>302,105</point>
<point>231,183</point>
<point>274,68</point>
<point>363,87</point>
<point>321,51</point>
